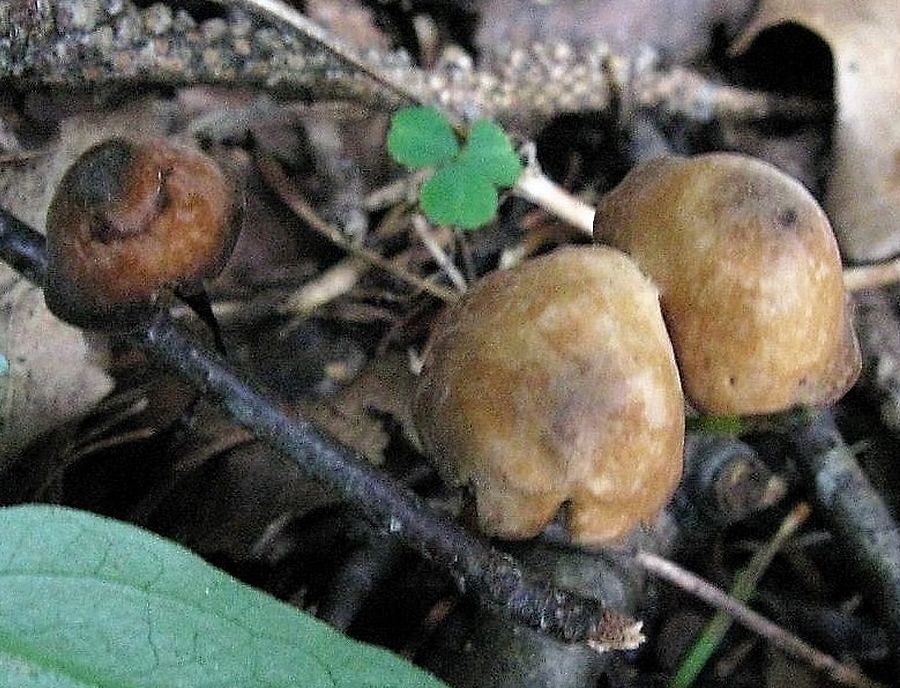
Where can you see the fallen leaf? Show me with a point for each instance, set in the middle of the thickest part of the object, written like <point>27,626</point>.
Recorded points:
<point>863,195</point>
<point>53,376</point>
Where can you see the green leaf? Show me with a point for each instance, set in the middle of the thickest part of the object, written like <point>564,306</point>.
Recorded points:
<point>87,601</point>
<point>459,194</point>
<point>421,137</point>
<point>490,150</point>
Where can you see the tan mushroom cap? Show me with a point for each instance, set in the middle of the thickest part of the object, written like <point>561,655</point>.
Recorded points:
<point>555,383</point>
<point>750,280</point>
<point>132,217</point>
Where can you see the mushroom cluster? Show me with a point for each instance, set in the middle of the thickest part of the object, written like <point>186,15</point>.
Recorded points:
<point>130,218</point>
<point>554,385</point>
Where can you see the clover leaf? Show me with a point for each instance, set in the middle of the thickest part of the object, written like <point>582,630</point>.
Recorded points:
<point>459,194</point>
<point>463,189</point>
<point>490,150</point>
<point>421,137</point>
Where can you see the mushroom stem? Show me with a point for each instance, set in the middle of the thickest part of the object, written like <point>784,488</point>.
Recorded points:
<point>199,303</point>
<point>497,578</point>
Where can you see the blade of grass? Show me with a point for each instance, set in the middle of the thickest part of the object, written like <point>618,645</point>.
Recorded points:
<point>742,590</point>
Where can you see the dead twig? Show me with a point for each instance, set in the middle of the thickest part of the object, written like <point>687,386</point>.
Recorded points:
<point>423,231</point>
<point>495,577</point>
<point>779,637</point>
<point>872,276</point>
<point>332,283</point>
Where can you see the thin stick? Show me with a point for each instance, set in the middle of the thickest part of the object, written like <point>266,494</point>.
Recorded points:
<point>496,577</point>
<point>782,639</point>
<point>538,188</point>
<point>872,276</point>
<point>421,228</point>
<point>329,285</point>
<point>288,15</point>
<point>395,192</point>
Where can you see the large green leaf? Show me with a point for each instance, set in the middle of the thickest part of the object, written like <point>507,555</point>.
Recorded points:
<point>87,601</point>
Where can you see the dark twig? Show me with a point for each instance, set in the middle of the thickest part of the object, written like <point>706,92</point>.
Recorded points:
<point>495,577</point>
<point>857,513</point>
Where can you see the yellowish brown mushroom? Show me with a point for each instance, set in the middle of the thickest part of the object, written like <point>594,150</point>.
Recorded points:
<point>555,383</point>
<point>750,280</point>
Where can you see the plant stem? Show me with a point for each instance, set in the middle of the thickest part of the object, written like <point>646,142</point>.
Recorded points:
<point>495,577</point>
<point>538,188</point>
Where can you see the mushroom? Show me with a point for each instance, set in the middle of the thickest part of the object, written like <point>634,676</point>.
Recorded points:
<point>130,218</point>
<point>750,280</point>
<point>555,383</point>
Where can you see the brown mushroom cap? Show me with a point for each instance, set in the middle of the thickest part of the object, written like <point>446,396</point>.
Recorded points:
<point>554,383</point>
<point>750,280</point>
<point>130,218</point>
